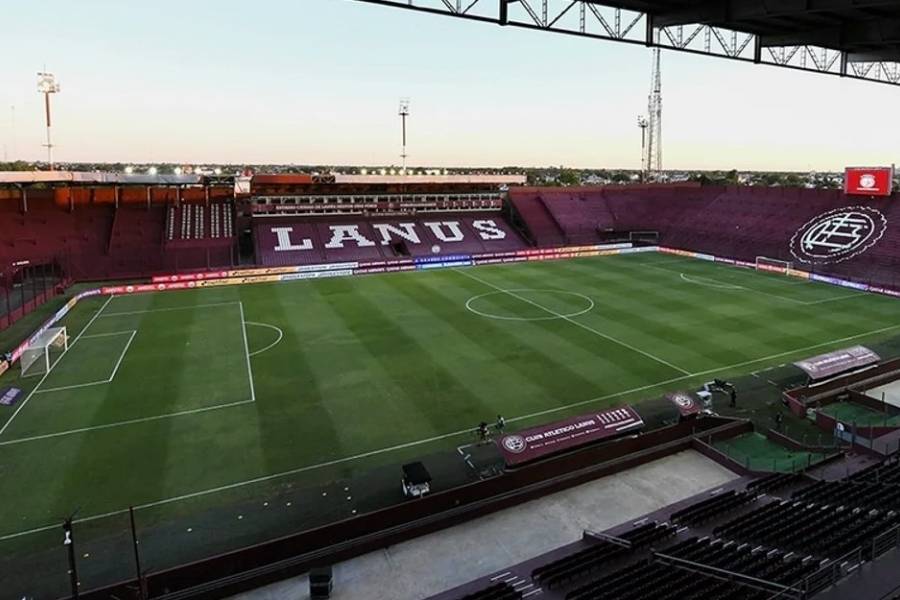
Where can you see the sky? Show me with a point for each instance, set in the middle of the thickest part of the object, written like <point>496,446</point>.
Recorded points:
<point>318,82</point>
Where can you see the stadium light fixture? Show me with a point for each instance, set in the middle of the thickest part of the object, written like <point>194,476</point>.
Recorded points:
<point>129,170</point>
<point>403,111</point>
<point>47,85</point>
<point>153,170</point>
<point>217,171</point>
<point>364,171</point>
<point>643,123</point>
<point>178,170</point>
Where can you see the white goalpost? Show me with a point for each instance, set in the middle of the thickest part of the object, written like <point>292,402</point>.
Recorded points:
<point>773,265</point>
<point>40,355</point>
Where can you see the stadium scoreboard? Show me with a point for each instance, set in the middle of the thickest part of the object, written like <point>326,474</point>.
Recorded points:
<point>869,181</point>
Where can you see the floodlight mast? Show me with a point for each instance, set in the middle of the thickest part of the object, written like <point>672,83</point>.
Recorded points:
<point>404,112</point>
<point>47,85</point>
<point>643,124</point>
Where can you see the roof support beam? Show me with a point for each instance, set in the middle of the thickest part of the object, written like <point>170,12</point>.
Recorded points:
<point>725,11</point>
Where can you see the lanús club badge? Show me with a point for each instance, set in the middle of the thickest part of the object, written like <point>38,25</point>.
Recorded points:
<point>514,443</point>
<point>838,235</point>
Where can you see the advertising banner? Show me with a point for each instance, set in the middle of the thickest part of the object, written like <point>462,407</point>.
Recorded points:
<point>833,363</point>
<point>313,275</point>
<point>868,181</point>
<point>8,396</point>
<point>544,440</point>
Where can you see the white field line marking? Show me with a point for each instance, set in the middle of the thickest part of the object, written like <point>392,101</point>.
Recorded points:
<point>181,413</point>
<point>407,444</point>
<point>273,344</point>
<point>102,381</point>
<point>574,322</point>
<point>486,315</point>
<point>75,386</point>
<point>710,283</point>
<point>844,297</point>
<point>102,335</point>
<point>50,370</point>
<point>247,353</point>
<point>122,356</point>
<point>156,310</point>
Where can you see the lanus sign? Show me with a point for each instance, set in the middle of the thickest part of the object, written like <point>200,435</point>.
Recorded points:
<point>446,231</point>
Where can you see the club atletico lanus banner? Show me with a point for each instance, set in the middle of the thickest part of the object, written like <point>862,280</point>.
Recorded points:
<point>869,181</point>
<point>543,440</point>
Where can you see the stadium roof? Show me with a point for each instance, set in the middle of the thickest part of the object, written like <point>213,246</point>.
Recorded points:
<point>93,178</point>
<point>850,38</point>
<point>865,29</point>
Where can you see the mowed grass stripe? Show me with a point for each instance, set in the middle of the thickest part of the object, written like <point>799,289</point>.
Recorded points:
<point>766,326</point>
<point>670,332</point>
<point>517,367</point>
<point>425,386</point>
<point>588,328</point>
<point>600,358</point>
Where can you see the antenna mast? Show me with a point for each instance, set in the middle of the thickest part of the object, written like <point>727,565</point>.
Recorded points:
<point>653,158</point>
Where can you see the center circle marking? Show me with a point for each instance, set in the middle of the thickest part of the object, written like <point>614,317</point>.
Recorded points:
<point>549,317</point>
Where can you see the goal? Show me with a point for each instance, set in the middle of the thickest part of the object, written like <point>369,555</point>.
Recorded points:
<point>773,265</point>
<point>40,355</point>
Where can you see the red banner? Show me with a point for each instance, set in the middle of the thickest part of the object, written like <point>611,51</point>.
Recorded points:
<point>865,181</point>
<point>544,440</point>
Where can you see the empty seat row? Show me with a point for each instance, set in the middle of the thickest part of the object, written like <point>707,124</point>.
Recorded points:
<point>498,591</point>
<point>705,510</point>
<point>773,482</point>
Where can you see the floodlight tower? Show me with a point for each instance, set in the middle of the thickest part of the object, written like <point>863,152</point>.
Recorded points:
<point>47,85</point>
<point>654,108</point>
<point>404,112</point>
<point>643,124</point>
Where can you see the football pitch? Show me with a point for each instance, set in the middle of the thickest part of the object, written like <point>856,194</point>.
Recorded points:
<point>193,395</point>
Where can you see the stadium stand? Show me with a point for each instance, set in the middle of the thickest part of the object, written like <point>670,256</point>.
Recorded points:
<point>499,591</point>
<point>734,222</point>
<point>544,229</point>
<point>737,542</point>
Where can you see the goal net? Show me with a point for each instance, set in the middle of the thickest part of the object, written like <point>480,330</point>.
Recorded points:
<point>773,265</point>
<point>40,355</point>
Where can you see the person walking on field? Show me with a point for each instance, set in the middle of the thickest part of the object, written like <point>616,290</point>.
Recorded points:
<point>501,424</point>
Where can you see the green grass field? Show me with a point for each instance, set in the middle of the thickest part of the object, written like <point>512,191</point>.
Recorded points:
<point>212,392</point>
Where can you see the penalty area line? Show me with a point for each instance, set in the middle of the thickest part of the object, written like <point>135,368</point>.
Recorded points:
<point>168,309</point>
<point>247,353</point>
